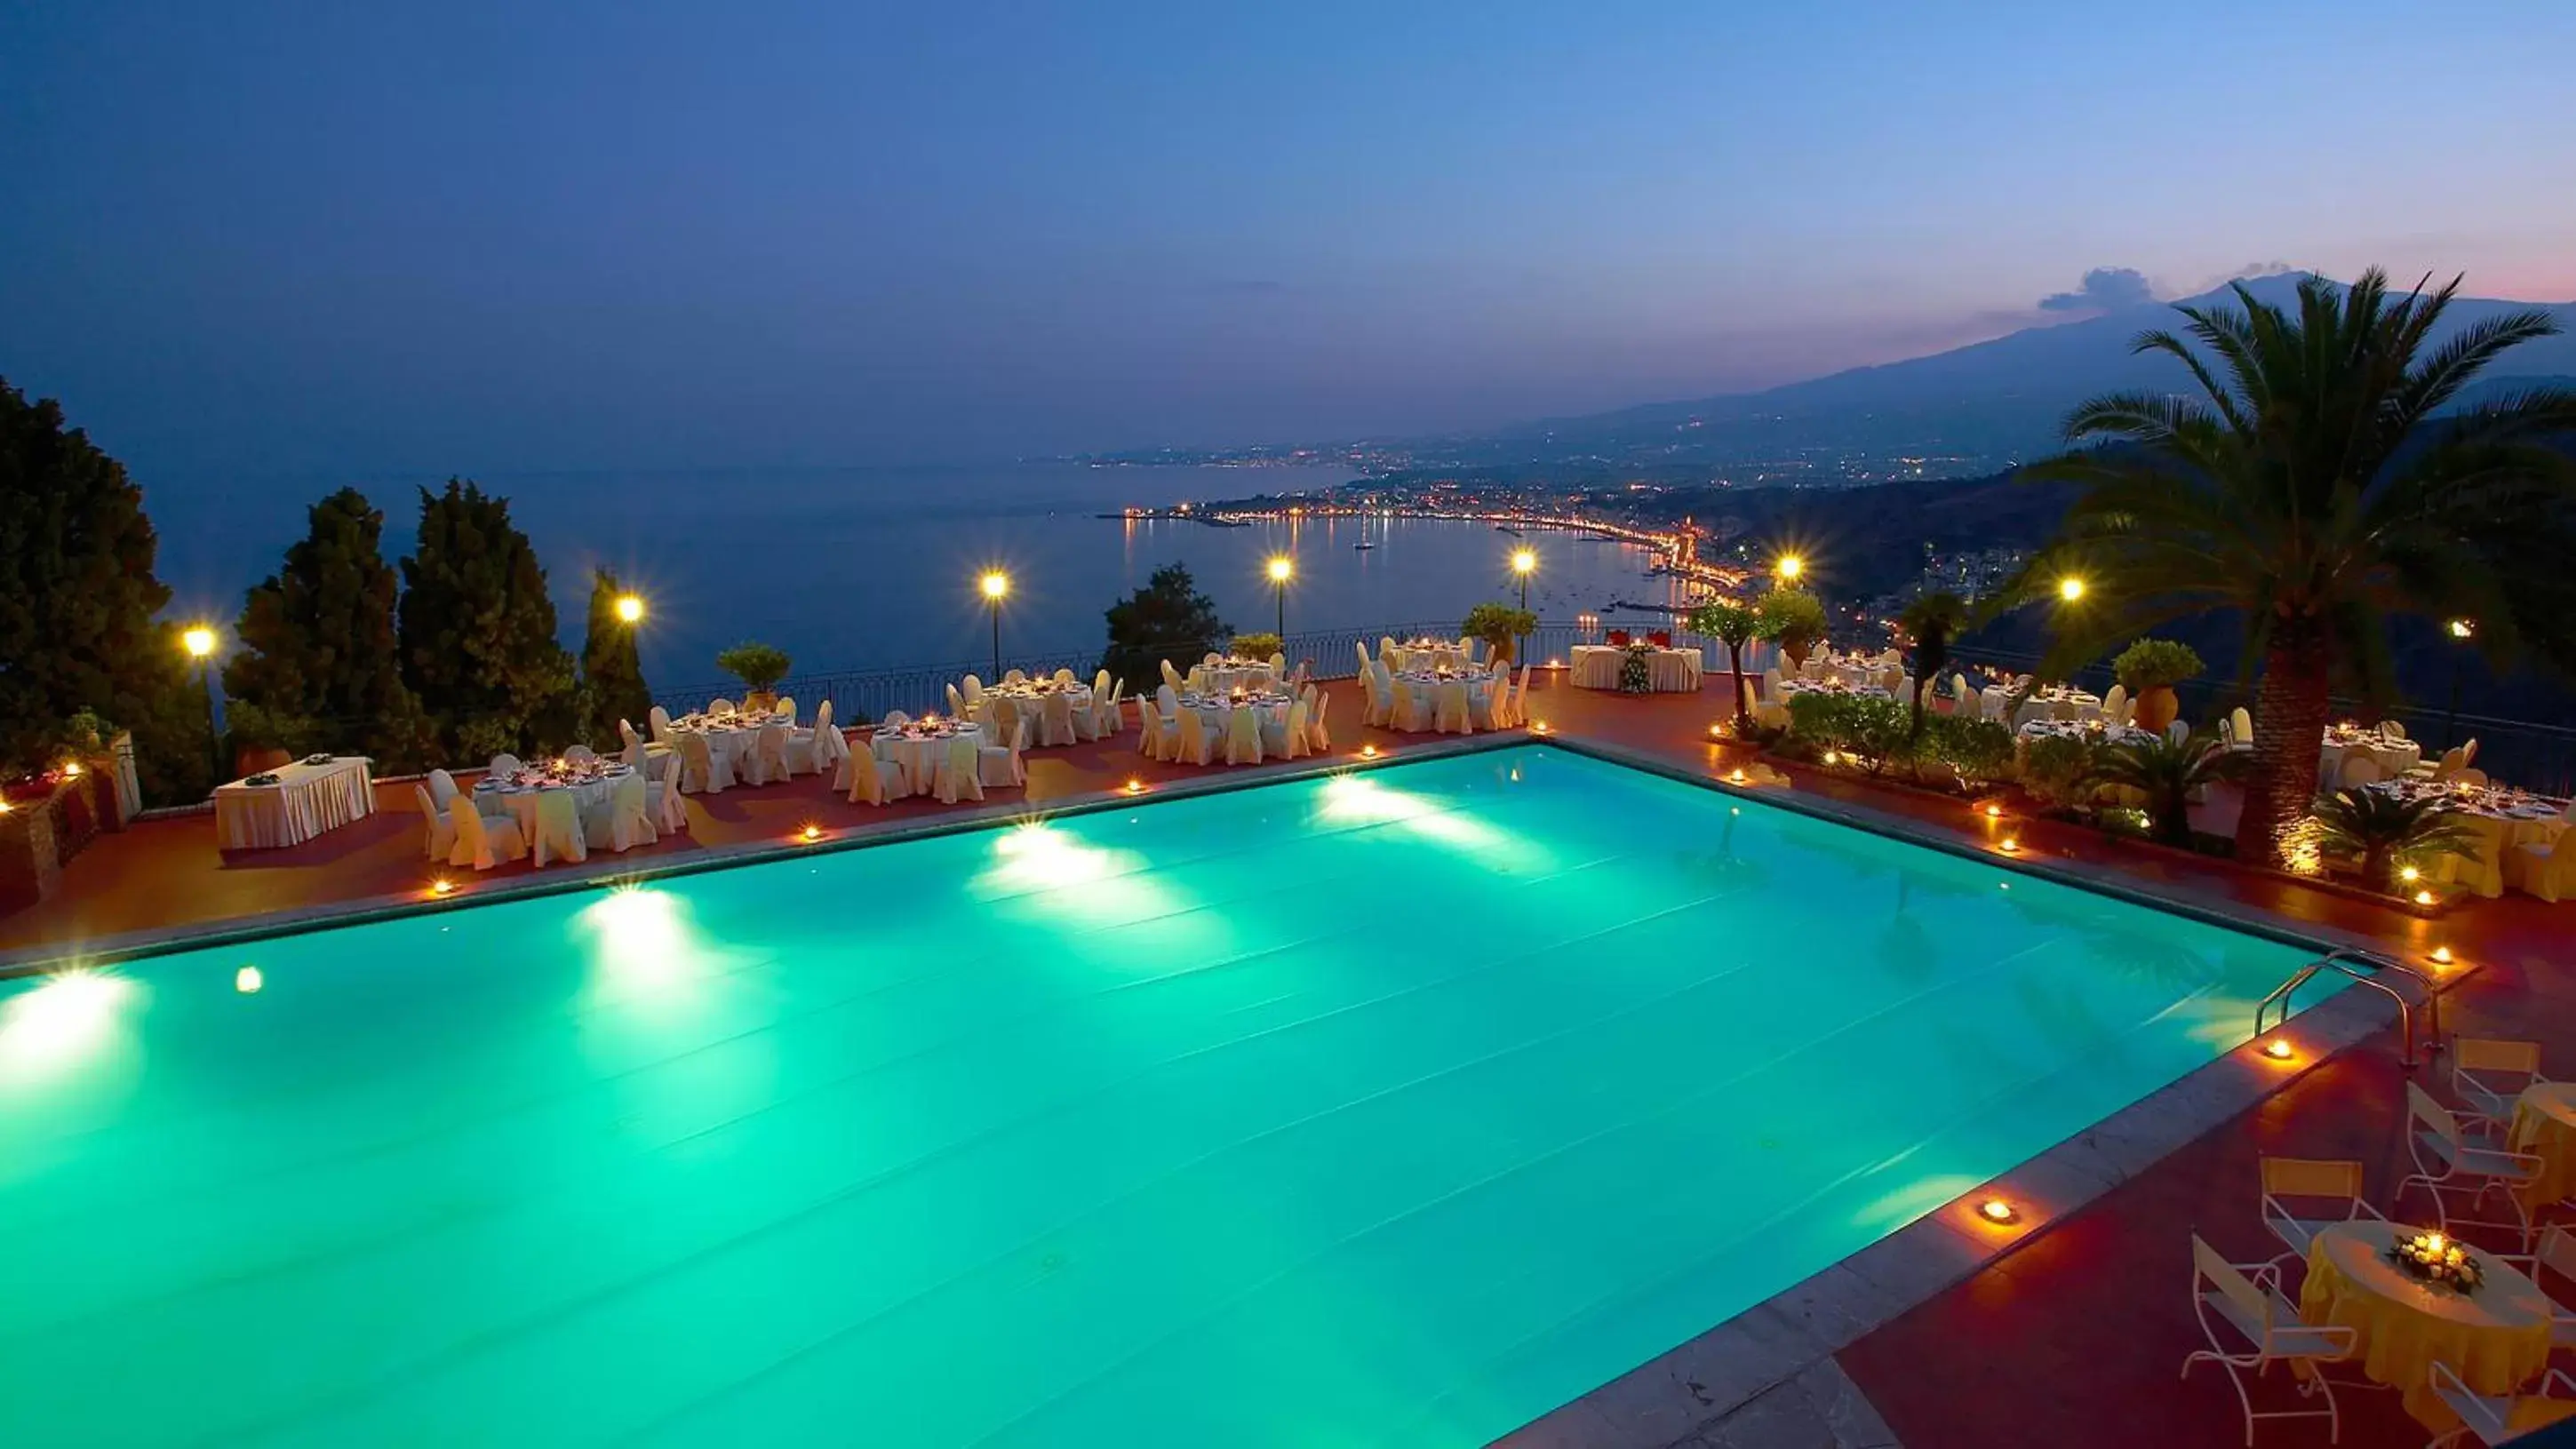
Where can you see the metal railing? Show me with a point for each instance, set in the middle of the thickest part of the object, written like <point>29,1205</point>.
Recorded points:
<point>2348,964</point>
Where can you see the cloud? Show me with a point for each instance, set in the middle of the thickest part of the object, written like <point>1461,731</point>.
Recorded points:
<point>2252,270</point>
<point>2104,289</point>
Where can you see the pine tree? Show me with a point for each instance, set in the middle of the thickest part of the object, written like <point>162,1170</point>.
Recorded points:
<point>612,676</point>
<point>319,668</point>
<point>77,599</point>
<point>478,631</point>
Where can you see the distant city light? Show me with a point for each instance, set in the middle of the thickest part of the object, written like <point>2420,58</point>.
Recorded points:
<point>2464,628</point>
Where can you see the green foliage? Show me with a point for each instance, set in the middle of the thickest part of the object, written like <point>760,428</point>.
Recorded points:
<point>1167,619</point>
<point>612,676</point>
<point>1792,618</point>
<point>77,599</point>
<point>759,666</point>
<point>1873,731</point>
<point>1930,621</point>
<point>1498,624</point>
<point>2166,772</point>
<point>2317,481</point>
<point>477,630</point>
<point>2377,833</point>
<point>1735,624</point>
<point>1980,751</point>
<point>1257,646</point>
<point>2061,772</point>
<point>319,663</point>
<point>2156,663</point>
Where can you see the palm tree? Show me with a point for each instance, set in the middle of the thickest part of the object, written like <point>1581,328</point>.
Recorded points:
<point>1734,624</point>
<point>2380,831</point>
<point>2167,771</point>
<point>1930,621</point>
<point>2318,490</point>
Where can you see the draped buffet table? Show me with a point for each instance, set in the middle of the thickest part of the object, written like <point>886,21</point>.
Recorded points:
<point>293,804</point>
<point>1668,671</point>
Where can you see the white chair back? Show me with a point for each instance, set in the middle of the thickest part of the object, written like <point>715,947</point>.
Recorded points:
<point>581,755</point>
<point>974,688</point>
<point>2243,720</point>
<point>559,834</point>
<point>438,836</point>
<point>1015,676</point>
<point>719,705</point>
<point>785,709</point>
<point>1243,736</point>
<point>659,722</point>
<point>442,788</point>
<point>502,764</point>
<point>481,843</point>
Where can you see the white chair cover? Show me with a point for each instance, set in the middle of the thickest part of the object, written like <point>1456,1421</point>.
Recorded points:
<point>1149,728</point>
<point>559,834</point>
<point>1296,738</point>
<point>622,821</point>
<point>581,755</point>
<point>719,706</point>
<point>876,782</point>
<point>1000,766</point>
<point>1242,736</point>
<point>1055,721</point>
<point>502,764</point>
<point>960,772</point>
<point>482,843</point>
<point>1451,707</point>
<point>442,788</point>
<point>1108,703</point>
<point>813,751</point>
<point>440,831</point>
<point>1171,677</point>
<point>956,702</point>
<point>785,709</point>
<point>1190,740</point>
<point>1321,739</point>
<point>659,722</point>
<point>1015,676</point>
<point>702,768</point>
<point>767,760</point>
<point>662,795</point>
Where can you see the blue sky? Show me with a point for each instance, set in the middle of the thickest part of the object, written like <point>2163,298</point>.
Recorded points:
<point>480,237</point>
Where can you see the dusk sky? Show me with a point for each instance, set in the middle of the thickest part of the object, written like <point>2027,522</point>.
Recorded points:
<point>468,236</point>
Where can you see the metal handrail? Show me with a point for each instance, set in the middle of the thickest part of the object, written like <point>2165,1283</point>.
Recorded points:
<point>2342,963</point>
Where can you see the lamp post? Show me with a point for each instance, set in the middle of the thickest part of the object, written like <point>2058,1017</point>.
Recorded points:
<point>1282,569</point>
<point>630,609</point>
<point>199,641</point>
<point>2462,631</point>
<point>996,584</point>
<point>1787,568</point>
<point>1524,564</point>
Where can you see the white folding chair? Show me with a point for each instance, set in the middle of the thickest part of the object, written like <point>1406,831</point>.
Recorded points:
<point>876,782</point>
<point>2449,1161</point>
<point>1190,739</point>
<point>502,764</point>
<point>702,768</point>
<point>2487,1075</point>
<point>1000,766</point>
<point>662,794</point>
<point>1449,707</point>
<point>2302,1196</point>
<point>621,822</point>
<point>960,772</point>
<point>1055,720</point>
<point>2498,1418</point>
<point>2249,1325</point>
<point>1320,739</point>
<point>1243,735</point>
<point>559,835</point>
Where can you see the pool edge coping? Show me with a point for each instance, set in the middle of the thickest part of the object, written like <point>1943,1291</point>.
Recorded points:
<point>1699,1383</point>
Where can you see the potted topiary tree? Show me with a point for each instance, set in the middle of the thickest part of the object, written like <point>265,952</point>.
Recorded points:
<point>1734,625</point>
<point>759,667</point>
<point>1794,619</point>
<point>1500,626</point>
<point>2149,669</point>
<point>1256,646</point>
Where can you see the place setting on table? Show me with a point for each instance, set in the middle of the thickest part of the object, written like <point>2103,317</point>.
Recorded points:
<point>517,793</point>
<point>916,745</point>
<point>2391,751</point>
<point>1426,653</point>
<point>1229,672</point>
<point>2048,702</point>
<point>1836,685</point>
<point>2093,731</point>
<point>1269,705</point>
<point>293,803</point>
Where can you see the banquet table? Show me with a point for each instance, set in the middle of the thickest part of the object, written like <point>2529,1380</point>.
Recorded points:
<point>1269,705</point>
<point>1230,674</point>
<point>2544,1125</point>
<point>2084,729</point>
<point>305,800</point>
<point>1028,702</point>
<point>1668,671</point>
<point>517,796</point>
<point>2496,1338</point>
<point>2053,701</point>
<point>916,748</point>
<point>730,737</point>
<point>2392,756</point>
<point>2500,818</point>
<point>1431,654</point>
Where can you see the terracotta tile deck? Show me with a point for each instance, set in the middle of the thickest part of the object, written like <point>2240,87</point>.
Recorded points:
<point>2074,1336</point>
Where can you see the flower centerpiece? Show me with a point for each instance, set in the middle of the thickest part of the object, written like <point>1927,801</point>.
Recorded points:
<point>2435,1259</point>
<point>1636,676</point>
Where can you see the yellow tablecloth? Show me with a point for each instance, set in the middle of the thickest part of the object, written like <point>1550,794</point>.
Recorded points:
<point>2496,1338</point>
<point>2544,1123</point>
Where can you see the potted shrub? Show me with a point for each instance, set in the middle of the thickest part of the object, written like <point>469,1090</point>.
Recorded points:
<point>759,667</point>
<point>2149,669</point>
<point>1500,626</point>
<point>1794,619</point>
<point>2162,775</point>
<point>1732,624</point>
<point>1256,646</point>
<point>2379,833</point>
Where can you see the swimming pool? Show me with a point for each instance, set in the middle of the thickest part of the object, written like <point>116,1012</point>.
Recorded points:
<point>1382,1109</point>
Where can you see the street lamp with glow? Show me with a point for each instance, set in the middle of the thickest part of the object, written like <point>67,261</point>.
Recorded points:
<point>996,585</point>
<point>1788,568</point>
<point>199,641</point>
<point>1282,569</point>
<point>630,609</point>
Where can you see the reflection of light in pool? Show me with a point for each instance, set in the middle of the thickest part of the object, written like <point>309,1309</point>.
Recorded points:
<point>1363,800</point>
<point>1065,874</point>
<point>68,1018</point>
<point>643,938</point>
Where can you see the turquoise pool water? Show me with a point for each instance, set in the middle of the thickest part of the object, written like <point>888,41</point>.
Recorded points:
<point>1389,1109</point>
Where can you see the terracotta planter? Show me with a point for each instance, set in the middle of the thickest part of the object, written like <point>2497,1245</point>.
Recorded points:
<point>2156,708</point>
<point>759,700</point>
<point>254,759</point>
<point>1797,654</point>
<point>1502,650</point>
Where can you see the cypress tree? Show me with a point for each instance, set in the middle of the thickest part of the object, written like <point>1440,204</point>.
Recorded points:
<point>77,599</point>
<point>319,667</point>
<point>612,675</point>
<point>478,632</point>
<point>1167,619</point>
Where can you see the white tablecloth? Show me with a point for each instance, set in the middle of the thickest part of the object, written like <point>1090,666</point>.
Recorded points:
<point>1028,703</point>
<point>1271,709</point>
<point>1227,675</point>
<point>730,738</point>
<point>519,802</point>
<point>2078,729</point>
<point>919,754</point>
<point>306,801</point>
<point>2394,757</point>
<point>1424,687</point>
<point>2048,702</point>
<point>1668,671</point>
<point>1791,688</point>
<point>1432,654</point>
<point>2498,818</point>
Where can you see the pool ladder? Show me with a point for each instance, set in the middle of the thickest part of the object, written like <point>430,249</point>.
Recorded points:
<point>2367,969</point>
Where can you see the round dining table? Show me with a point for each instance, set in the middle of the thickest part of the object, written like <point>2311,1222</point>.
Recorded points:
<point>518,797</point>
<point>1028,702</point>
<point>1431,654</point>
<point>1230,674</point>
<point>1269,706</point>
<point>2393,756</point>
<point>2544,1125</point>
<point>2496,1338</point>
<point>916,748</point>
<point>730,737</point>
